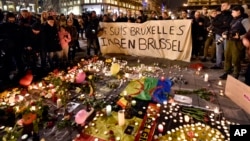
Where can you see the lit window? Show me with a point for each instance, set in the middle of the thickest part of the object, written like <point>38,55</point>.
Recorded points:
<point>86,1</point>
<point>93,1</point>
<point>99,1</point>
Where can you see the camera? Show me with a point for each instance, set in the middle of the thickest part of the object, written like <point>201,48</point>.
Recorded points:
<point>226,35</point>
<point>210,31</point>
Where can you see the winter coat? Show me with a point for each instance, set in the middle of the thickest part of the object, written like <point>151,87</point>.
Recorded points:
<point>50,38</point>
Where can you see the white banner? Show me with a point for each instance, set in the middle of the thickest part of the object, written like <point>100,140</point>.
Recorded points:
<point>170,39</point>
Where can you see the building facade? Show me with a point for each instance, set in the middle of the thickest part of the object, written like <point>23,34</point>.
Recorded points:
<point>17,5</point>
<point>215,2</point>
<point>100,6</point>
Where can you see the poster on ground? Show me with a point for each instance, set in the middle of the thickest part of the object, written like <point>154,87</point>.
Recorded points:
<point>170,39</point>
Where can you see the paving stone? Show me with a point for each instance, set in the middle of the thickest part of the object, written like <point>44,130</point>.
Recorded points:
<point>236,115</point>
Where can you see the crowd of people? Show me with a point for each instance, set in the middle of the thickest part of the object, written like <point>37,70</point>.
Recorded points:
<point>50,41</point>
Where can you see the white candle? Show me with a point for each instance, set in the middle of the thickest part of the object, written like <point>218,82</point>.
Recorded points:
<point>126,75</point>
<point>108,110</point>
<point>59,103</point>
<point>121,117</point>
<point>160,128</point>
<point>133,102</point>
<point>206,77</point>
<point>125,93</point>
<point>216,110</point>
<point>186,118</point>
<point>219,83</point>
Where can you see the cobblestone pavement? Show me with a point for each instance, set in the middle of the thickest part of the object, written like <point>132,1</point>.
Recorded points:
<point>230,109</point>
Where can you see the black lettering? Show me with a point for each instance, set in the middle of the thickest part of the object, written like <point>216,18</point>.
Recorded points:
<point>124,31</point>
<point>169,43</point>
<point>142,44</point>
<point>153,30</point>
<point>162,43</point>
<point>163,30</point>
<point>181,31</point>
<point>132,31</point>
<point>148,29</point>
<point>103,43</point>
<point>137,31</point>
<point>111,30</point>
<point>158,29</point>
<point>176,46</point>
<point>151,43</point>
<point>123,42</point>
<point>171,30</point>
<point>116,41</point>
<point>131,43</point>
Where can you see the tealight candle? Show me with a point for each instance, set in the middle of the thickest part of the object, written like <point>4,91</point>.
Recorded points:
<point>158,105</point>
<point>220,83</point>
<point>125,93</point>
<point>133,102</point>
<point>206,77</point>
<point>136,123</point>
<point>160,128</point>
<point>108,110</point>
<point>165,102</point>
<point>186,118</point>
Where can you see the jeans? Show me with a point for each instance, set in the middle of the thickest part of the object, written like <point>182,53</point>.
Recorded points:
<point>220,49</point>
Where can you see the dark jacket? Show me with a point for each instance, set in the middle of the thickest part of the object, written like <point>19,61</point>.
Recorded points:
<point>11,33</point>
<point>50,38</point>
<point>221,22</point>
<point>33,40</point>
<point>92,28</point>
<point>236,25</point>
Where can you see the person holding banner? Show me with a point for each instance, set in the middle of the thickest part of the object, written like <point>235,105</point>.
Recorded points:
<point>91,33</point>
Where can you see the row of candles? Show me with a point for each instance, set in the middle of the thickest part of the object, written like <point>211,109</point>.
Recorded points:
<point>220,124</point>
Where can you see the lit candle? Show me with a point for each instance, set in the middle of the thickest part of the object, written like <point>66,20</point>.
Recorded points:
<point>186,118</point>
<point>126,75</point>
<point>140,75</point>
<point>162,78</point>
<point>59,103</point>
<point>206,77</point>
<point>108,110</point>
<point>160,128</point>
<point>125,93</point>
<point>221,92</point>
<point>219,83</point>
<point>216,110</point>
<point>114,59</point>
<point>133,102</point>
<point>32,108</point>
<point>121,117</point>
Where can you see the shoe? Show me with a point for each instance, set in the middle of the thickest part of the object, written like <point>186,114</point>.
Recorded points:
<point>215,67</point>
<point>224,76</point>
